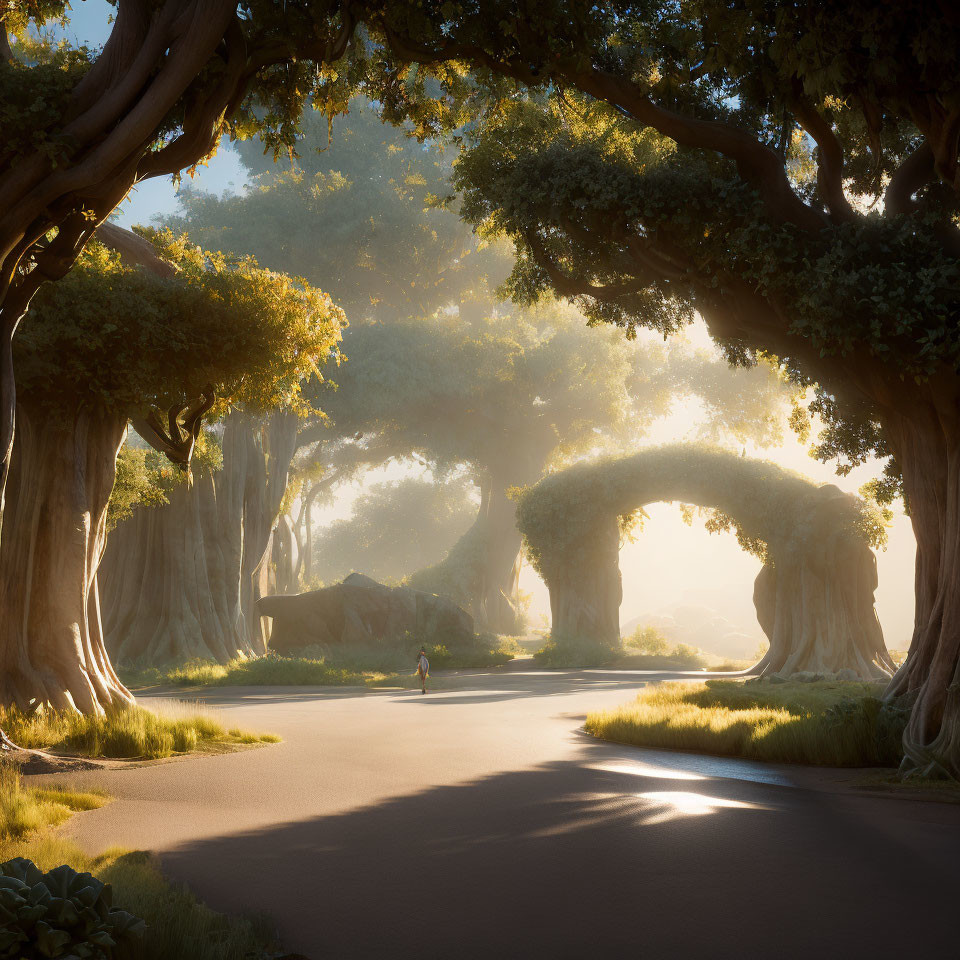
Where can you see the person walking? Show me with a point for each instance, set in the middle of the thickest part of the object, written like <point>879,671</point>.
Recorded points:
<point>423,669</point>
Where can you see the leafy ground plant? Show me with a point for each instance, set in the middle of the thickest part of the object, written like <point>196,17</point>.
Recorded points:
<point>62,913</point>
<point>828,723</point>
<point>132,733</point>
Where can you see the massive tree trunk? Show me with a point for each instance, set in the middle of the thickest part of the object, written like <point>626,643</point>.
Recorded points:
<point>179,581</point>
<point>170,592</point>
<point>820,618</point>
<point>482,570</point>
<point>51,641</point>
<point>585,595</point>
<point>926,442</point>
<point>110,125</point>
<point>494,535</point>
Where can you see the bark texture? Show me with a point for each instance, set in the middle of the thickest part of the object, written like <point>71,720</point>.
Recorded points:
<point>170,591</point>
<point>51,641</point>
<point>585,598</point>
<point>182,580</point>
<point>814,598</point>
<point>926,441</point>
<point>815,603</point>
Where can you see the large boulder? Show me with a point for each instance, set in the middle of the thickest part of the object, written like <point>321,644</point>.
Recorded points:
<point>362,611</point>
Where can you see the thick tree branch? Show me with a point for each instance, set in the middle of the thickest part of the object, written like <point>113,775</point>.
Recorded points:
<point>756,163</point>
<point>175,441</point>
<point>569,286</point>
<point>830,156</point>
<point>913,174</point>
<point>134,250</point>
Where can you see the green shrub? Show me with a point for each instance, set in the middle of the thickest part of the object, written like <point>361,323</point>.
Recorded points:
<point>61,913</point>
<point>179,927</point>
<point>647,640</point>
<point>570,652</point>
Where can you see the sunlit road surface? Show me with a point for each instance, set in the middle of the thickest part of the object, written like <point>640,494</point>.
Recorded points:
<point>479,821</point>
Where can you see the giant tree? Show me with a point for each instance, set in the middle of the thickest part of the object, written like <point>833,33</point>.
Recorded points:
<point>507,392</point>
<point>109,343</point>
<point>806,204</point>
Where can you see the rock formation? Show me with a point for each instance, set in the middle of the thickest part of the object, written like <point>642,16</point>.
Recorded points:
<point>361,611</point>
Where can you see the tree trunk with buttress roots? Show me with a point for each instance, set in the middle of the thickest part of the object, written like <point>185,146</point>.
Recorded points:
<point>178,581</point>
<point>815,603</point>
<point>271,444</point>
<point>482,570</point>
<point>285,557</point>
<point>51,643</point>
<point>925,438</point>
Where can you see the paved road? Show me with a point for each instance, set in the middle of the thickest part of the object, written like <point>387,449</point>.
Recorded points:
<point>479,822</point>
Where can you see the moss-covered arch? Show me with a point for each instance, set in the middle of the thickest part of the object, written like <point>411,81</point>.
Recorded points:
<point>814,596</point>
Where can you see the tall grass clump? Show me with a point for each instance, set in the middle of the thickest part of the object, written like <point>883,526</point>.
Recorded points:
<point>826,723</point>
<point>130,733</point>
<point>25,810</point>
<point>645,649</point>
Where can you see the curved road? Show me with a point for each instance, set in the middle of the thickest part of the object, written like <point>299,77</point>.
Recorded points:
<point>480,822</point>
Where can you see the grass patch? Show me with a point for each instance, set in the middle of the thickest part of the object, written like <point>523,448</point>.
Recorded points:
<point>321,667</point>
<point>731,666</point>
<point>827,723</point>
<point>25,810</point>
<point>132,733</point>
<point>644,650</point>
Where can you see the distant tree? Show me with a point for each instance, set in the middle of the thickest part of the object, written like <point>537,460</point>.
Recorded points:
<point>352,213</point>
<point>110,342</point>
<point>395,529</point>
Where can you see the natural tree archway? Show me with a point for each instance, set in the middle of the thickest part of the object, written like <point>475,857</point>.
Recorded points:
<point>814,595</point>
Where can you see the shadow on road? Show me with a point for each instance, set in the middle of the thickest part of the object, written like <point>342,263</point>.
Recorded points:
<point>449,687</point>
<point>593,858</point>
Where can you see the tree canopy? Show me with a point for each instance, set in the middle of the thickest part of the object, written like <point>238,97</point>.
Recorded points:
<point>130,339</point>
<point>514,389</point>
<point>352,212</point>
